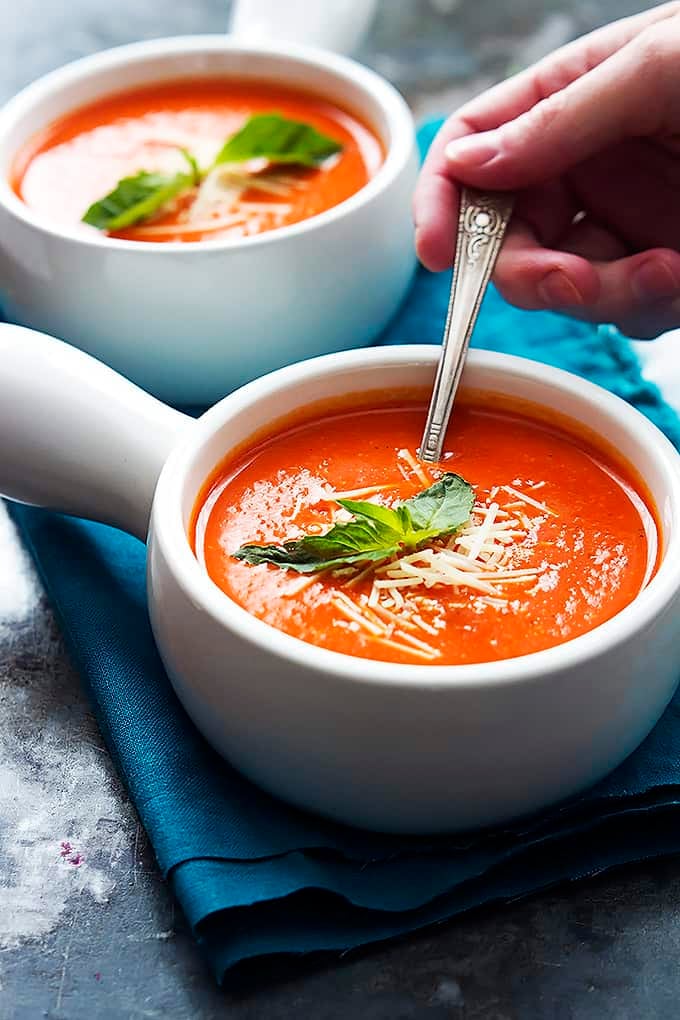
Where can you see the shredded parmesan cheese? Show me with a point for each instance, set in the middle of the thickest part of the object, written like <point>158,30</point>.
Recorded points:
<point>419,622</point>
<point>415,466</point>
<point>410,650</point>
<point>523,498</point>
<point>302,583</point>
<point>416,642</point>
<point>478,559</point>
<point>478,562</point>
<point>368,490</point>
<point>358,578</point>
<point>401,582</point>
<point>483,532</point>
<point>197,226</point>
<point>277,208</point>
<point>350,610</point>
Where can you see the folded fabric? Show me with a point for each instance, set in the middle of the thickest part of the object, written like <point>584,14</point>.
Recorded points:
<point>255,876</point>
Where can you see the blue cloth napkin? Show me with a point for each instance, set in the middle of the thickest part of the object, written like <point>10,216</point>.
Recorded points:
<point>256,877</point>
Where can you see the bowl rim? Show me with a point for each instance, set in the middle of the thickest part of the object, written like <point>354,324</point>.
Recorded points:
<point>168,530</point>
<point>400,129</point>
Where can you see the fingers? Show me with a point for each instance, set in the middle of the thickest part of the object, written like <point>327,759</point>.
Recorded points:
<point>524,134</point>
<point>593,241</point>
<point>435,203</point>
<point>639,293</point>
<point>625,96</point>
<point>532,276</point>
<point>510,98</point>
<point>549,210</point>
<point>436,197</point>
<point>633,187</point>
<point>435,214</point>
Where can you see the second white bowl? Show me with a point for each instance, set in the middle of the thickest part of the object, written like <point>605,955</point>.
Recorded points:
<point>190,322</point>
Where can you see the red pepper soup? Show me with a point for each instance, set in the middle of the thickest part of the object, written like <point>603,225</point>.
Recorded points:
<point>523,537</point>
<point>196,160</point>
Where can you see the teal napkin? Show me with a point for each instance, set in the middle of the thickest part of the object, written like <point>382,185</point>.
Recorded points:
<point>256,877</point>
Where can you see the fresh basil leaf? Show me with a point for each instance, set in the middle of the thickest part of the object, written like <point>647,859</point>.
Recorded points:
<point>267,136</point>
<point>375,512</point>
<point>193,166</point>
<point>443,507</point>
<point>137,198</point>
<point>358,543</point>
<point>376,532</point>
<point>273,137</point>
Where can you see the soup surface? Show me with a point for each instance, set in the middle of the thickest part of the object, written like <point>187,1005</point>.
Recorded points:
<point>80,158</point>
<point>558,541</point>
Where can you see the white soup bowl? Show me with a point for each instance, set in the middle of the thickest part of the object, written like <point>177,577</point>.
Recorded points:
<point>188,322</point>
<point>411,748</point>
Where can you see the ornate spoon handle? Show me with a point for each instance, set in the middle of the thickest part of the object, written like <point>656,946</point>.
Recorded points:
<point>482,221</point>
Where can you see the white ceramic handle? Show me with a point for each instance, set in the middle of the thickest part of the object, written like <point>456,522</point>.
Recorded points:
<point>337,25</point>
<point>77,437</point>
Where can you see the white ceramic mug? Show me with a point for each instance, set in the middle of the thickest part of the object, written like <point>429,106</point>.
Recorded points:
<point>189,322</point>
<point>394,747</point>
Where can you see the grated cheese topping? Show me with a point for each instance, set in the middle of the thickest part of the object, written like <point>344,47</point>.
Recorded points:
<point>414,466</point>
<point>479,567</point>
<point>479,563</point>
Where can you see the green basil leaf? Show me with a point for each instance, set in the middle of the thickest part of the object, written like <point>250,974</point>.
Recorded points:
<point>375,512</point>
<point>312,553</point>
<point>193,166</point>
<point>137,198</point>
<point>273,137</point>
<point>442,508</point>
<point>376,531</point>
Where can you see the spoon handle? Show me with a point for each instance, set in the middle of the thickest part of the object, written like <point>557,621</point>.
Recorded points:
<point>482,220</point>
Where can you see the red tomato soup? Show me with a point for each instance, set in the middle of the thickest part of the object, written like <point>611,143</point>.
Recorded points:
<point>560,537</point>
<point>80,158</point>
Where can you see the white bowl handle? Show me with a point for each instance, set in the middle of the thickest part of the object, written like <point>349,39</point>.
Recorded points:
<point>337,25</point>
<point>77,437</point>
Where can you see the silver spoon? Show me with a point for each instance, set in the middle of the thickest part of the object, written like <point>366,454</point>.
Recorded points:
<point>482,220</point>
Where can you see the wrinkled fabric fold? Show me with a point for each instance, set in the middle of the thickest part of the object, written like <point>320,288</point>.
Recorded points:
<point>256,877</point>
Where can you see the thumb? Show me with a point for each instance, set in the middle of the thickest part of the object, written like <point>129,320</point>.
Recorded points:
<point>627,95</point>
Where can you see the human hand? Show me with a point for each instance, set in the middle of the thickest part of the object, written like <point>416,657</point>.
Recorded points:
<point>590,139</point>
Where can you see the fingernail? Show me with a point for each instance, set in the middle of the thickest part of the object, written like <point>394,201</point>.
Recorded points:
<point>473,150</point>
<point>653,280</point>
<point>557,290</point>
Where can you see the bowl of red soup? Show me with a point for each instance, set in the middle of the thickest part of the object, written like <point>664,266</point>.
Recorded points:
<point>197,211</point>
<point>397,646</point>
